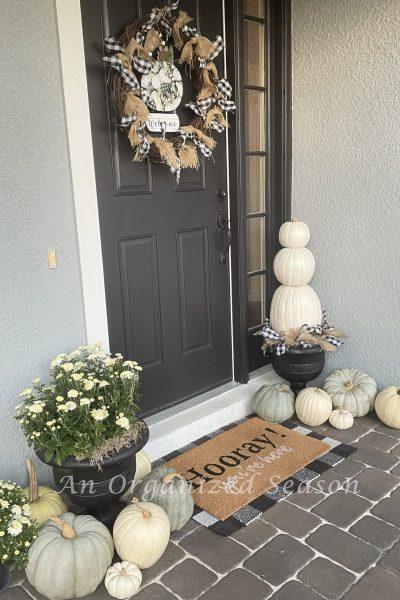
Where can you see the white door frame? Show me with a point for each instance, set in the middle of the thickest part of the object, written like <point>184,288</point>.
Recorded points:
<point>79,133</point>
<point>82,168</point>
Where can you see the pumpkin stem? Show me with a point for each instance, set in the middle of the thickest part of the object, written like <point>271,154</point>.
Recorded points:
<point>349,385</point>
<point>146,513</point>
<point>171,476</point>
<point>283,388</point>
<point>294,220</point>
<point>33,485</point>
<point>67,531</point>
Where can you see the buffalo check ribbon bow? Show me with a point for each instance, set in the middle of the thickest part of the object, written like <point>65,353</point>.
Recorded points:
<point>127,75</point>
<point>143,147</point>
<point>206,152</point>
<point>158,16</point>
<point>140,63</point>
<point>200,107</point>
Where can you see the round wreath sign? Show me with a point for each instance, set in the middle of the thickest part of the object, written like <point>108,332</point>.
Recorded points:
<point>143,80</point>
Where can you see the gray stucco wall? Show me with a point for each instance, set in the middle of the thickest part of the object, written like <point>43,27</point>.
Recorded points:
<point>346,170</point>
<point>41,311</point>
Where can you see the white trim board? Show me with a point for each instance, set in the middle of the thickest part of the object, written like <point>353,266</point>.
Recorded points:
<point>82,168</point>
<point>173,429</point>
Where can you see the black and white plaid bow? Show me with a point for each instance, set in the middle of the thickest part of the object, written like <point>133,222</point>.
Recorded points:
<point>128,76</point>
<point>200,107</point>
<point>127,121</point>
<point>148,100</point>
<point>224,87</point>
<point>144,146</point>
<point>205,150</point>
<point>190,32</point>
<point>218,47</point>
<point>142,65</point>
<point>113,45</point>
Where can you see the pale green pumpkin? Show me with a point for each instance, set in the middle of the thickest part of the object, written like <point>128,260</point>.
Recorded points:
<point>352,390</point>
<point>70,557</point>
<point>274,402</point>
<point>168,489</point>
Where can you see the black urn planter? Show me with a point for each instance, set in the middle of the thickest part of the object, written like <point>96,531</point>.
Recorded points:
<point>299,366</point>
<point>95,490</point>
<point>5,577</point>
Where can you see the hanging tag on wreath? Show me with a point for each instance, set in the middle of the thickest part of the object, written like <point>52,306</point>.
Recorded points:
<point>163,86</point>
<point>156,121</point>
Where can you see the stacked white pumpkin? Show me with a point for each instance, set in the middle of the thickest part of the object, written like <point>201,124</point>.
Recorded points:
<point>294,303</point>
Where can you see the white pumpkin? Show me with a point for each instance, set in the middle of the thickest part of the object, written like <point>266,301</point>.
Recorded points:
<point>143,468</point>
<point>313,406</point>
<point>70,557</point>
<point>294,266</point>
<point>293,307</point>
<point>341,419</point>
<point>387,406</point>
<point>294,234</point>
<point>141,533</point>
<point>123,580</point>
<point>352,390</point>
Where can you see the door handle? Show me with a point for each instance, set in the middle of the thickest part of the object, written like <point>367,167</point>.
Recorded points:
<point>226,235</point>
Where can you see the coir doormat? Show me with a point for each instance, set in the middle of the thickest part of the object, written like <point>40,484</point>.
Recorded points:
<point>245,468</point>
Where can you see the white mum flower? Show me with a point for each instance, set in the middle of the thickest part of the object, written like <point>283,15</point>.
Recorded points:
<point>73,394</point>
<point>68,367</point>
<point>59,398</point>
<point>138,368</point>
<point>99,414</point>
<point>4,503</point>
<point>35,409</point>
<point>14,528</point>
<point>109,362</point>
<point>77,376</point>
<point>62,408</point>
<point>126,375</point>
<point>123,422</point>
<point>103,384</point>
<point>84,402</point>
<point>26,392</point>
<point>70,406</point>
<point>88,385</point>
<point>129,363</point>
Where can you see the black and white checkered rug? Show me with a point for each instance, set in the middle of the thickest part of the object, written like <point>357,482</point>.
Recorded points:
<point>254,509</point>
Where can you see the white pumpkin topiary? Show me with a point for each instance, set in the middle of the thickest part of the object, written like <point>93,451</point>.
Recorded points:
<point>123,580</point>
<point>70,557</point>
<point>167,488</point>
<point>294,234</point>
<point>294,303</point>
<point>341,419</point>
<point>352,390</point>
<point>274,402</point>
<point>387,406</point>
<point>143,468</point>
<point>313,406</point>
<point>141,533</point>
<point>44,502</point>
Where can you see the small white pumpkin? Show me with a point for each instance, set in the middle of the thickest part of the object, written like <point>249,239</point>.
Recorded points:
<point>294,234</point>
<point>143,468</point>
<point>341,419</point>
<point>352,390</point>
<point>141,533</point>
<point>70,557</point>
<point>292,307</point>
<point>387,406</point>
<point>294,266</point>
<point>313,406</point>
<point>123,580</point>
<point>274,403</point>
<point>44,502</point>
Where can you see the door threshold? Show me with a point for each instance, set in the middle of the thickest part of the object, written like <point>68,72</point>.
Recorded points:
<point>179,425</point>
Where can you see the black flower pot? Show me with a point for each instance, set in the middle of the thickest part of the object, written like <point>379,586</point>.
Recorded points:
<point>5,577</point>
<point>97,490</point>
<point>299,366</point>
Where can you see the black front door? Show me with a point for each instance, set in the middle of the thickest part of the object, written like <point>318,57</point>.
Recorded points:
<point>168,296</point>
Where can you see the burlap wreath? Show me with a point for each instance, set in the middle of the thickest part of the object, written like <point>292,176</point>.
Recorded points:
<point>133,55</point>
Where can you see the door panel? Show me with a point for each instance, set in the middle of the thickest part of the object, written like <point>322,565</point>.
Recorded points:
<point>168,297</point>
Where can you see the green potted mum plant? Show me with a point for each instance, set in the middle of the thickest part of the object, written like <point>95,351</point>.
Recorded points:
<point>84,425</point>
<point>17,531</point>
